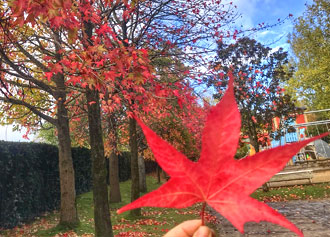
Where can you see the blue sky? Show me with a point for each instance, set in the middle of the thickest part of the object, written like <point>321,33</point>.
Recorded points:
<point>255,12</point>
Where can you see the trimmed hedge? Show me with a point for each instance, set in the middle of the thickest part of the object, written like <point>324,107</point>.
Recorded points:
<point>29,180</point>
<point>82,165</point>
<point>30,183</point>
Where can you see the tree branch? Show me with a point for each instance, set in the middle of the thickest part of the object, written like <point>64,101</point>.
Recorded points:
<point>30,107</point>
<point>24,76</point>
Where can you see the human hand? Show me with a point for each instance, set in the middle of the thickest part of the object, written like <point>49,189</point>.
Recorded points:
<point>192,228</point>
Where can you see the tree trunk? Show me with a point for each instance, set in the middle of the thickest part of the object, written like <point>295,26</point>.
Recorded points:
<point>253,136</point>
<point>68,211</point>
<point>135,189</point>
<point>165,175</point>
<point>102,220</point>
<point>142,175</point>
<point>114,195</point>
<point>254,143</point>
<point>158,174</point>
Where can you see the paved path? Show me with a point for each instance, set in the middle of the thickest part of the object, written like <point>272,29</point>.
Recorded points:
<point>312,217</point>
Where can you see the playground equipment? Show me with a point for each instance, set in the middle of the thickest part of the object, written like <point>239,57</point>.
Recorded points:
<point>312,164</point>
<point>316,150</point>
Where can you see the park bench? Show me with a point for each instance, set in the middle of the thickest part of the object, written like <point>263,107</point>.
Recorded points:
<point>291,178</point>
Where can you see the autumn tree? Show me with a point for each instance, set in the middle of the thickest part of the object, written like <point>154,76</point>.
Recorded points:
<point>168,29</point>
<point>47,134</point>
<point>259,73</point>
<point>84,49</point>
<point>180,30</point>
<point>179,123</point>
<point>182,129</point>
<point>310,45</point>
<point>33,90</point>
<point>88,59</point>
<point>112,119</point>
<point>103,52</point>
<point>97,63</point>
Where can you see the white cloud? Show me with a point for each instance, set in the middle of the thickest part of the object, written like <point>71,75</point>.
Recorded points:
<point>277,48</point>
<point>268,32</point>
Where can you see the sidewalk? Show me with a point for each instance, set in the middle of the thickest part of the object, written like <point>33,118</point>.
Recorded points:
<point>312,217</point>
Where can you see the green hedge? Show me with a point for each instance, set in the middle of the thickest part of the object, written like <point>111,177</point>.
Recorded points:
<point>29,180</point>
<point>83,169</point>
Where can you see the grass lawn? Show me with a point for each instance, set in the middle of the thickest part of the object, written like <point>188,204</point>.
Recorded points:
<point>155,221</point>
<point>298,192</point>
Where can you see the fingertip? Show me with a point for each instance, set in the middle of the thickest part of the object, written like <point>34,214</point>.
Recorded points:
<point>204,231</point>
<point>191,226</point>
<point>185,229</point>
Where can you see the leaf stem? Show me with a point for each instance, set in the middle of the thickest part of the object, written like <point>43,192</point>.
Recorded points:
<point>202,213</point>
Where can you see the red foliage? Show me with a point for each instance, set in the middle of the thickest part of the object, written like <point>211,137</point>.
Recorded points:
<point>217,179</point>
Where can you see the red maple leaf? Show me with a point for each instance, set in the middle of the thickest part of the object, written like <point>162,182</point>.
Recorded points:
<point>48,75</point>
<point>217,179</point>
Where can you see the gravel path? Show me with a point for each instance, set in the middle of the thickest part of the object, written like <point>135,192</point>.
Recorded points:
<point>312,217</point>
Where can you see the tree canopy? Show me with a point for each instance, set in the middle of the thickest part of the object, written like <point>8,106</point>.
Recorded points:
<point>311,47</point>
<point>259,72</point>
